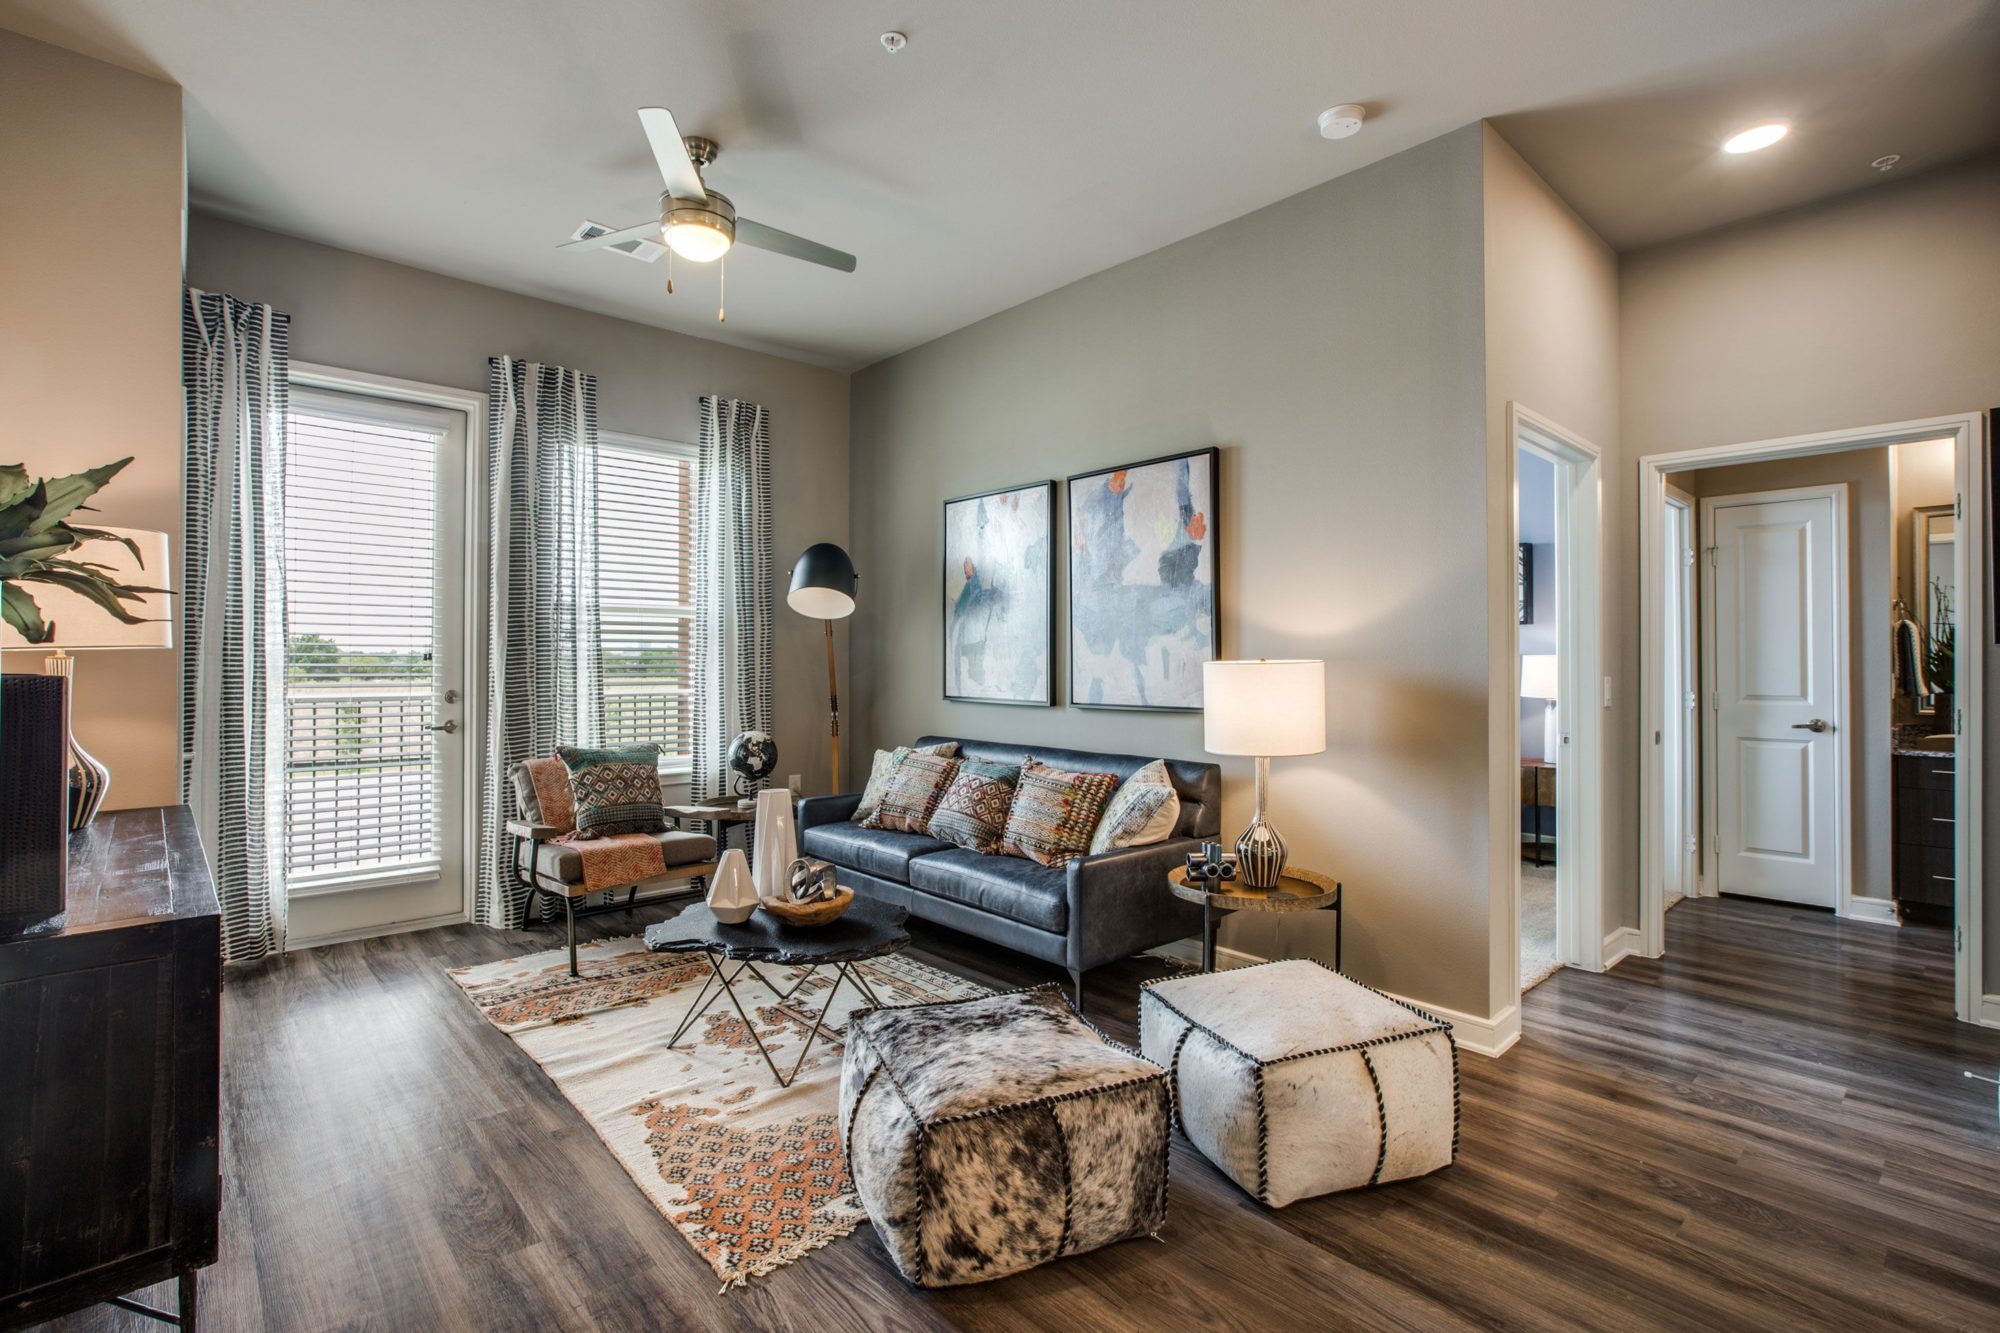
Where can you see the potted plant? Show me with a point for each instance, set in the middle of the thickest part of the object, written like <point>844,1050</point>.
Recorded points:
<point>37,543</point>
<point>1941,655</point>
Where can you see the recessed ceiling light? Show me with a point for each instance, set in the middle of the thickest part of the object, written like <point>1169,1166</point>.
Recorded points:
<point>1757,136</point>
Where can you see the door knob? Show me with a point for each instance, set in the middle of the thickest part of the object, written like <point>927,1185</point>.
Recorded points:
<point>1817,724</point>
<point>446,726</point>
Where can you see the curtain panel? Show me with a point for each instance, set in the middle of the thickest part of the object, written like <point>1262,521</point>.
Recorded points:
<point>731,680</point>
<point>235,363</point>
<point>545,668</point>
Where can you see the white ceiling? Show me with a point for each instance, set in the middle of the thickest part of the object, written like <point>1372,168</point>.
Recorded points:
<point>1012,148</point>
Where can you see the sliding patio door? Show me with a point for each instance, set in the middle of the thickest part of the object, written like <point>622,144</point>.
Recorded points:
<point>375,679</point>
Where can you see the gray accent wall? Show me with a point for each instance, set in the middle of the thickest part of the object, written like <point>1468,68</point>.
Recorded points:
<point>1333,346</point>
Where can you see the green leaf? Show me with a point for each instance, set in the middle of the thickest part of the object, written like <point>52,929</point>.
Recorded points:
<point>18,609</point>
<point>15,484</point>
<point>64,495</point>
<point>36,545</point>
<point>16,518</point>
<point>91,586</point>
<point>100,535</point>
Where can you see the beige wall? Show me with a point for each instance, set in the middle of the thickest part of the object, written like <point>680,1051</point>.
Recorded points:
<point>358,313</point>
<point>1870,521</point>
<point>1551,346</point>
<point>1870,309</point>
<point>90,348</point>
<point>1331,345</point>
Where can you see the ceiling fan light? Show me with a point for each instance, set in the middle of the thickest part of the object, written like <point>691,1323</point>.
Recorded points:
<point>699,232</point>
<point>697,241</point>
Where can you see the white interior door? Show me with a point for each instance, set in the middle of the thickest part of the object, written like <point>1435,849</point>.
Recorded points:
<point>1678,840</point>
<point>1777,689</point>
<point>376,765</point>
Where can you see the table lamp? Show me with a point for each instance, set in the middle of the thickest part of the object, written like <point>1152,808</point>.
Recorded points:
<point>823,588</point>
<point>1263,708</point>
<point>82,625</point>
<point>1538,681</point>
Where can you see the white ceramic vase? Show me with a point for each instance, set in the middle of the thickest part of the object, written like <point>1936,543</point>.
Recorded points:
<point>777,844</point>
<point>732,896</point>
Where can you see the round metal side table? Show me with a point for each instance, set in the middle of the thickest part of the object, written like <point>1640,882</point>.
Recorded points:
<point>1298,890</point>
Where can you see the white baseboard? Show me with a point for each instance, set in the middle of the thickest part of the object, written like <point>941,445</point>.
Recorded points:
<point>1619,945</point>
<point>1989,1011</point>
<point>294,943</point>
<point>1879,911</point>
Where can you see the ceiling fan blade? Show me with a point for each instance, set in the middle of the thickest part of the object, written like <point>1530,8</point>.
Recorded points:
<point>798,247</point>
<point>638,231</point>
<point>676,167</point>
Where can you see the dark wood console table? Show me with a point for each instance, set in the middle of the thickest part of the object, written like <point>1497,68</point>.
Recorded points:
<point>110,1036</point>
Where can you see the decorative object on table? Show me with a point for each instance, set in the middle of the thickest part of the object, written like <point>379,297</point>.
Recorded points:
<point>1000,596</point>
<point>73,587</point>
<point>915,788</point>
<point>1524,583</point>
<point>1054,813</point>
<point>943,1106</point>
<point>732,894</point>
<point>1143,811</point>
<point>823,586</point>
<point>811,880</point>
<point>683,1122</point>
<point>753,758</point>
<point>973,811</point>
<point>1538,681</point>
<point>884,767</point>
<point>34,823</point>
<point>812,915</point>
<point>615,789</point>
<point>1264,708</point>
<point>1295,1081</point>
<point>1211,865</point>
<point>776,843</point>
<point>1298,891</point>
<point>1142,599</point>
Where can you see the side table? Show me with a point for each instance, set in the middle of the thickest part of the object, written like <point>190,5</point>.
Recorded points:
<point>1298,891</point>
<point>719,820</point>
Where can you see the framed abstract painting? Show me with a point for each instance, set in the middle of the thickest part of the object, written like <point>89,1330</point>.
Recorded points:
<point>1000,596</point>
<point>1142,599</point>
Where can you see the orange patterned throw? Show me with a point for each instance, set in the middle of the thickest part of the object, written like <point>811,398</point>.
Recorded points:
<point>608,863</point>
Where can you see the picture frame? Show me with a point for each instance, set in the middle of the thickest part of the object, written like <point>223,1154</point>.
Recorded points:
<point>1524,583</point>
<point>1144,609</point>
<point>998,642</point>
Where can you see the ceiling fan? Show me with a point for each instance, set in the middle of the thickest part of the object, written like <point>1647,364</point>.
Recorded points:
<point>695,222</point>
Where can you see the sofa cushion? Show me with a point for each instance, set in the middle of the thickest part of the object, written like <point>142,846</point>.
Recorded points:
<point>912,794</point>
<point>1054,813</point>
<point>1142,811</point>
<point>561,862</point>
<point>1020,890</point>
<point>972,813</point>
<point>873,851</point>
<point>883,768</point>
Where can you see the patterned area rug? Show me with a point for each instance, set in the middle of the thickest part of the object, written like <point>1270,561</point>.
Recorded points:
<point>750,1174</point>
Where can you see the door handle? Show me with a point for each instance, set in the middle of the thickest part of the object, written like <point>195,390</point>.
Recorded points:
<point>446,726</point>
<point>1817,724</point>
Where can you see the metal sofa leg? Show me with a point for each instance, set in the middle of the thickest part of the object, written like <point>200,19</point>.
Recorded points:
<point>1076,985</point>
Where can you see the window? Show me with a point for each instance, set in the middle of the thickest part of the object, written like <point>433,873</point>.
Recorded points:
<point>645,554</point>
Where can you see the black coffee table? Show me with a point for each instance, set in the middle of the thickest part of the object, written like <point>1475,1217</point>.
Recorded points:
<point>866,930</point>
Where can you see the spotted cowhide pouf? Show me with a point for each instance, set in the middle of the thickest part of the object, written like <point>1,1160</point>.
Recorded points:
<point>986,1136</point>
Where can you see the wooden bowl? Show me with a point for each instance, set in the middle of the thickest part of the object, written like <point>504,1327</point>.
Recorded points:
<point>813,914</point>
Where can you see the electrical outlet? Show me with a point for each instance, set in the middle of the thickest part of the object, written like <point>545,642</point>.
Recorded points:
<point>797,784</point>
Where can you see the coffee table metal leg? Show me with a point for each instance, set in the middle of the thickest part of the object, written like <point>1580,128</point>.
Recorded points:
<point>843,972</point>
<point>702,1000</point>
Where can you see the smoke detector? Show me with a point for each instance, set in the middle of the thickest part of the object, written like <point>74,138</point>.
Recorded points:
<point>893,42</point>
<point>1343,121</point>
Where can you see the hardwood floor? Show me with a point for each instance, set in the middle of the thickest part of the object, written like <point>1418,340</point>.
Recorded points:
<point>1768,1128</point>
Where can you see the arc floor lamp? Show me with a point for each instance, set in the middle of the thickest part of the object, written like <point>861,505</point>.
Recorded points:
<point>823,588</point>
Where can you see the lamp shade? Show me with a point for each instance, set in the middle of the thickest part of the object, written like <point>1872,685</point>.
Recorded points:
<point>81,623</point>
<point>1264,707</point>
<point>1538,675</point>
<point>823,583</point>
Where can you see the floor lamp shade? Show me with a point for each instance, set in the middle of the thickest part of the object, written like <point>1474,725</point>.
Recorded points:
<point>823,588</point>
<point>1263,708</point>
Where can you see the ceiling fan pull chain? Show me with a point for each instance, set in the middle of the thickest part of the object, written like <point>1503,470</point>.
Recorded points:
<point>670,271</point>
<point>722,290</point>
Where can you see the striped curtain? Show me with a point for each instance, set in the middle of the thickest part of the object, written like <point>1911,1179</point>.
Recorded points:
<point>545,666</point>
<point>235,361</point>
<point>732,582</point>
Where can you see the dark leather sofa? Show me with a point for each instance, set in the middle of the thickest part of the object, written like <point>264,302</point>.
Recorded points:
<point>1095,910</point>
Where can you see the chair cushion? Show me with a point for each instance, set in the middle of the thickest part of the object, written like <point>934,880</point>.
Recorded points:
<point>562,862</point>
<point>1142,811</point>
<point>873,851</point>
<point>1054,813</point>
<point>972,813</point>
<point>1020,890</point>
<point>616,790</point>
<point>912,794</point>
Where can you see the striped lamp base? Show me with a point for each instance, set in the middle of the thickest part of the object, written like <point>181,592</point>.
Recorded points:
<point>1260,855</point>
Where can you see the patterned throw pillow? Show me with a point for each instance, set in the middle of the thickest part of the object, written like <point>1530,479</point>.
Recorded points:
<point>913,793</point>
<point>1054,813</point>
<point>1143,811</point>
<point>884,767</point>
<point>972,813</point>
<point>615,790</point>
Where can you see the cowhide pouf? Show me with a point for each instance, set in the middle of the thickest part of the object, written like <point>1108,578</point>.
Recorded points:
<point>1296,1081</point>
<point>989,1135</point>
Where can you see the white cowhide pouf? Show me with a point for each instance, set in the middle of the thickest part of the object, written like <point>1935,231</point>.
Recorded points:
<point>989,1135</point>
<point>1296,1081</point>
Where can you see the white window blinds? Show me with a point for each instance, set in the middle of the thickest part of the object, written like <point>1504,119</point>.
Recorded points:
<point>645,547</point>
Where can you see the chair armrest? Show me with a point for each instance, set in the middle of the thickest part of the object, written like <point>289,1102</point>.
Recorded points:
<point>534,832</point>
<point>1119,903</point>
<point>816,810</point>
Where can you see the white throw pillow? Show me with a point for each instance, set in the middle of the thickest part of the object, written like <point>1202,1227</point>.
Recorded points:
<point>1142,811</point>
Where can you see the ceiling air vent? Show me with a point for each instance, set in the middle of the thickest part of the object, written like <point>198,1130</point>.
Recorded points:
<point>644,251</point>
